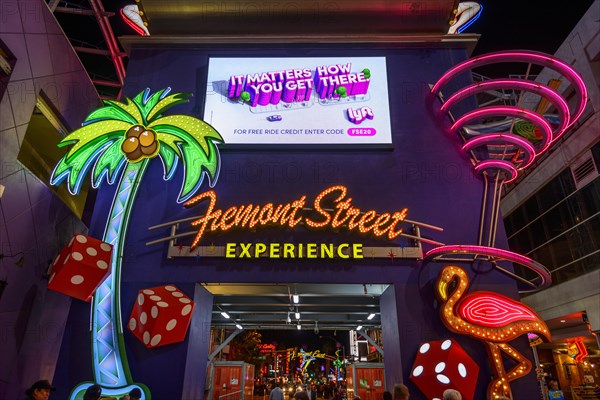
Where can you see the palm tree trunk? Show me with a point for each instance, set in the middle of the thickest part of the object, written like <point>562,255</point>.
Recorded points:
<point>109,359</point>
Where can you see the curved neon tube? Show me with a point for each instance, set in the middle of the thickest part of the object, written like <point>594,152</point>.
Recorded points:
<point>527,57</point>
<point>503,165</point>
<point>507,255</point>
<point>504,139</point>
<point>496,84</point>
<point>491,310</point>
<point>511,112</point>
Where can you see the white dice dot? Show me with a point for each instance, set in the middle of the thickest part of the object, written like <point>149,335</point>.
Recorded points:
<point>446,344</point>
<point>155,298</point>
<point>171,324</point>
<point>91,251</point>
<point>154,312</point>
<point>424,348</point>
<point>105,246</point>
<point>77,280</point>
<point>440,367</point>
<point>81,239</point>
<point>140,299</point>
<point>418,370</point>
<point>186,310</point>
<point>462,370</point>
<point>170,288</point>
<point>443,379</point>
<point>177,294</point>
<point>77,256</point>
<point>155,340</point>
<point>162,304</point>
<point>184,300</point>
<point>132,324</point>
<point>148,291</point>
<point>102,264</point>
<point>143,318</point>
<point>146,337</point>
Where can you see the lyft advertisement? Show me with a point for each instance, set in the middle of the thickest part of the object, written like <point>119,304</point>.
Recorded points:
<point>325,100</point>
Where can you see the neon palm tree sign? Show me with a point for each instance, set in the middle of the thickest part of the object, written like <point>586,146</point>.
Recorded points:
<point>119,139</point>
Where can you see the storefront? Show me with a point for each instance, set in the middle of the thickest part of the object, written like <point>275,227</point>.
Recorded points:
<point>391,163</point>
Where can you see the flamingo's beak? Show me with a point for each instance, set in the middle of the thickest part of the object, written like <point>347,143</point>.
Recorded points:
<point>441,290</point>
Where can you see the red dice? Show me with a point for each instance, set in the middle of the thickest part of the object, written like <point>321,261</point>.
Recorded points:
<point>441,365</point>
<point>161,315</point>
<point>81,267</point>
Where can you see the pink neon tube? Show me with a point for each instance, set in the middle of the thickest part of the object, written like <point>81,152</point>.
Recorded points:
<point>504,139</point>
<point>527,57</point>
<point>497,84</point>
<point>507,255</point>
<point>498,165</point>
<point>510,111</point>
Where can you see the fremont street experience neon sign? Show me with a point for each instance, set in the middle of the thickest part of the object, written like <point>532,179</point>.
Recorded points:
<point>343,215</point>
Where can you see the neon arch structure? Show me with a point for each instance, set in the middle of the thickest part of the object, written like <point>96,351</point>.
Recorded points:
<point>499,152</point>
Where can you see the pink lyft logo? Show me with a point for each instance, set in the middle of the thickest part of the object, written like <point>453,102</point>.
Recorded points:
<point>359,115</point>
<point>361,132</point>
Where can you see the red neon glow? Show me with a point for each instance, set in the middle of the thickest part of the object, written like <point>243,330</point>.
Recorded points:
<point>577,350</point>
<point>499,165</point>
<point>501,254</point>
<point>510,111</point>
<point>133,26</point>
<point>488,317</point>
<point>526,57</point>
<point>494,310</point>
<point>499,84</point>
<point>503,139</point>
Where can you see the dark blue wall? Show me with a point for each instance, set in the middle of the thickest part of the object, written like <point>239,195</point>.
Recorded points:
<point>425,171</point>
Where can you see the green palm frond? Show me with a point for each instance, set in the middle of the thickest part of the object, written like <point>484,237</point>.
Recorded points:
<point>180,138</point>
<point>74,169</point>
<point>89,133</point>
<point>109,163</point>
<point>194,141</point>
<point>110,112</point>
<point>188,128</point>
<point>166,103</point>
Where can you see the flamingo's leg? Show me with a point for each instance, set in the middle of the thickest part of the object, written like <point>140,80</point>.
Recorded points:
<point>500,386</point>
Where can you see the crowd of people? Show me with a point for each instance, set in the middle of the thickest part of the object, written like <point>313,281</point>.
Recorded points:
<point>40,390</point>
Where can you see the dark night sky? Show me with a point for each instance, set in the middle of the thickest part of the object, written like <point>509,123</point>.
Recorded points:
<point>527,25</point>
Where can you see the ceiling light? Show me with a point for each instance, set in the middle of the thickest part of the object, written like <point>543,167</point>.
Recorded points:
<point>371,316</point>
<point>358,328</point>
<point>297,314</point>
<point>298,327</point>
<point>224,314</point>
<point>296,298</point>
<point>239,326</point>
<point>289,320</point>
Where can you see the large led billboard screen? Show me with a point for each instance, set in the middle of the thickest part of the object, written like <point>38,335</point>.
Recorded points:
<point>299,101</point>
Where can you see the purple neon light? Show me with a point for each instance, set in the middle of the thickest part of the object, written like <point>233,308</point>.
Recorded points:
<point>496,84</point>
<point>543,273</point>
<point>527,57</point>
<point>504,139</point>
<point>509,111</point>
<point>504,165</point>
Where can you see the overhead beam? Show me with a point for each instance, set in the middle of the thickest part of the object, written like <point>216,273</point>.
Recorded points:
<point>92,50</point>
<point>79,11</point>
<point>371,341</point>
<point>222,345</point>
<point>104,82</point>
